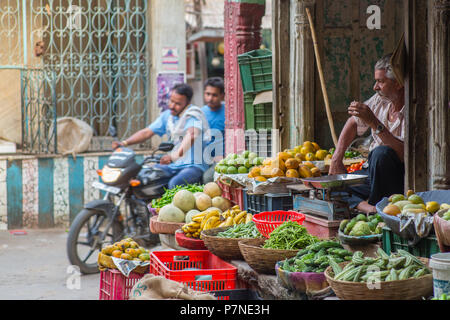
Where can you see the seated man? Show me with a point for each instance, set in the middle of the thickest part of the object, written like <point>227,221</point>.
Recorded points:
<point>187,128</point>
<point>214,111</point>
<point>384,115</point>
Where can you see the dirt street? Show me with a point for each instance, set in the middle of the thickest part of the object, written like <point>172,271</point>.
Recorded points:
<point>35,267</point>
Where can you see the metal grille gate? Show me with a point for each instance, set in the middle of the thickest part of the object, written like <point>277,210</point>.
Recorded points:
<point>94,65</point>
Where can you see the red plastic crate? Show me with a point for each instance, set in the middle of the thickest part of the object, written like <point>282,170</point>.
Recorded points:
<point>200,270</point>
<point>115,286</point>
<point>235,195</point>
<point>266,222</point>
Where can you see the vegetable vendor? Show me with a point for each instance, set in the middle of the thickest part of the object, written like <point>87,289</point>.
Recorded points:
<point>188,129</point>
<point>214,110</point>
<point>383,113</point>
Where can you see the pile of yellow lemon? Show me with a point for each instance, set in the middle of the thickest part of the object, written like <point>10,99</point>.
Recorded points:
<point>127,249</point>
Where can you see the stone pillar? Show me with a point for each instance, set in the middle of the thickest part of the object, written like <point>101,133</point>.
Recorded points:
<point>439,93</point>
<point>301,99</point>
<point>242,24</point>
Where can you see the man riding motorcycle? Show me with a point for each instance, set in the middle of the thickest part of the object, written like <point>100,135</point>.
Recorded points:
<point>188,129</point>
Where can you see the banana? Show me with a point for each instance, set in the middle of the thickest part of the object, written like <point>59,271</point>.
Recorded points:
<point>238,217</point>
<point>210,223</point>
<point>212,213</point>
<point>229,222</point>
<point>197,219</point>
<point>248,218</point>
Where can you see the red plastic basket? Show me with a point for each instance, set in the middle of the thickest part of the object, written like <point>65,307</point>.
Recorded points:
<point>235,195</point>
<point>266,222</point>
<point>115,286</point>
<point>200,270</point>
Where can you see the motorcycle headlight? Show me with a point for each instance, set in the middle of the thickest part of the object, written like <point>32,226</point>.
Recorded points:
<point>110,175</point>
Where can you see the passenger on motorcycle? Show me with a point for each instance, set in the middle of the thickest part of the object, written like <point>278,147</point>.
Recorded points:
<point>188,129</point>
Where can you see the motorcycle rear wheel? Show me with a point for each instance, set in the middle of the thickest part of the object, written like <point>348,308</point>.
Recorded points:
<point>86,237</point>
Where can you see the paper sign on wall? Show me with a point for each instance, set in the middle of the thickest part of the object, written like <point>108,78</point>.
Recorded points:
<point>165,82</point>
<point>170,58</point>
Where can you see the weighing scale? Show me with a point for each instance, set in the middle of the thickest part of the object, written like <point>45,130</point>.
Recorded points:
<point>322,196</point>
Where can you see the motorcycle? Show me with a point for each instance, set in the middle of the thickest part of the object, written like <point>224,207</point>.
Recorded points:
<point>128,187</point>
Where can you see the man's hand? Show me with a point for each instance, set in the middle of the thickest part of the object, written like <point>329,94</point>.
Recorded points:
<point>337,166</point>
<point>167,159</point>
<point>115,145</point>
<point>363,112</point>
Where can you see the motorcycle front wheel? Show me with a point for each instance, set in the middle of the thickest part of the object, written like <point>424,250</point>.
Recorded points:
<point>86,236</point>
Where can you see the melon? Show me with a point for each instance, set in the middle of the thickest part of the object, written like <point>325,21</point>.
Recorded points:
<point>221,203</point>
<point>190,214</point>
<point>212,189</point>
<point>203,202</point>
<point>170,213</point>
<point>185,200</point>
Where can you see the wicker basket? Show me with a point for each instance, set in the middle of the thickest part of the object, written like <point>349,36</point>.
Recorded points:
<point>260,259</point>
<point>225,248</point>
<point>409,289</point>
<point>163,226</point>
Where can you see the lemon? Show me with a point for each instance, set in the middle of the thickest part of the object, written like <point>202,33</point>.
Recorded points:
<point>432,206</point>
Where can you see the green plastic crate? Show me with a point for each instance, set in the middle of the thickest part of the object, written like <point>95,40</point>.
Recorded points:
<point>257,116</point>
<point>256,70</point>
<point>424,248</point>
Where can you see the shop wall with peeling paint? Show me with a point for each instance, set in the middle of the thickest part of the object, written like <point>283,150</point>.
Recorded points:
<point>349,51</point>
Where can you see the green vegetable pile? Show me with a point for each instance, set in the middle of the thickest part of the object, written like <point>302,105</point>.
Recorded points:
<point>397,266</point>
<point>316,257</point>
<point>168,195</point>
<point>289,236</point>
<point>443,296</point>
<point>348,154</point>
<point>242,230</point>
<point>361,225</point>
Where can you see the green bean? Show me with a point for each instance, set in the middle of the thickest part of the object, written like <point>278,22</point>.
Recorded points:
<point>289,236</point>
<point>247,230</point>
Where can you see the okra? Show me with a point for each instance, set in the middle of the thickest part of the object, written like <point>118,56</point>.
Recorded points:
<point>382,254</point>
<point>336,268</point>
<point>420,272</point>
<point>405,273</point>
<point>344,272</point>
<point>396,262</point>
<point>407,254</point>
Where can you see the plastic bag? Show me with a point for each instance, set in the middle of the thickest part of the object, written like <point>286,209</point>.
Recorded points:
<point>73,135</point>
<point>408,231</point>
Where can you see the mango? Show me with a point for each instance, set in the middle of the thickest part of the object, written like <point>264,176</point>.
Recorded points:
<point>396,197</point>
<point>414,206</point>
<point>414,198</point>
<point>432,206</point>
<point>392,210</point>
<point>402,203</point>
<point>416,211</point>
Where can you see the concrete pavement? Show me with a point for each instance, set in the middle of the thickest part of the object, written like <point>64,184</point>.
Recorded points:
<point>34,266</point>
